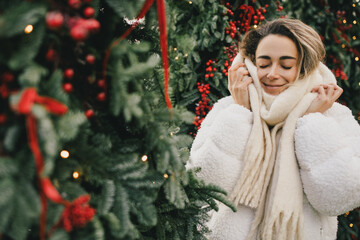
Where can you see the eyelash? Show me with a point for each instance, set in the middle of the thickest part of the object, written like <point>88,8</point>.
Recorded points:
<point>287,68</point>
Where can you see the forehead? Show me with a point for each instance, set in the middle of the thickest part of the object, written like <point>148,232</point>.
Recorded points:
<point>276,46</point>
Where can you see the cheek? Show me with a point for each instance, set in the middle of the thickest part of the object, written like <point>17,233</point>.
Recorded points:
<point>290,75</point>
<point>261,73</point>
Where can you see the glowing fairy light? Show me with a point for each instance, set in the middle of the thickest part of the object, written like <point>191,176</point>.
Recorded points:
<point>64,154</point>
<point>144,158</point>
<point>76,175</point>
<point>28,29</point>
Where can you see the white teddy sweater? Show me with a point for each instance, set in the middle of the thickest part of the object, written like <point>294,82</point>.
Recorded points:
<point>327,147</point>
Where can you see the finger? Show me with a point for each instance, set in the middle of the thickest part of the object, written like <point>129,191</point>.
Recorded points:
<point>337,93</point>
<point>321,92</point>
<point>330,91</point>
<point>236,66</point>
<point>248,81</point>
<point>315,89</point>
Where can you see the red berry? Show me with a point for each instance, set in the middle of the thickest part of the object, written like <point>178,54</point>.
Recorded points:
<point>51,55</point>
<point>90,59</point>
<point>7,77</point>
<point>101,83</point>
<point>68,87</point>
<point>54,20</point>
<point>92,25</point>
<point>266,5</point>
<point>79,33</point>
<point>89,113</point>
<point>69,73</point>
<point>232,35</point>
<point>76,4</point>
<point>206,75</point>
<point>211,75</point>
<point>3,118</point>
<point>101,97</point>
<point>89,12</point>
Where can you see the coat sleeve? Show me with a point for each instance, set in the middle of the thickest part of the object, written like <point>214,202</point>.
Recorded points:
<point>219,145</point>
<point>328,152</point>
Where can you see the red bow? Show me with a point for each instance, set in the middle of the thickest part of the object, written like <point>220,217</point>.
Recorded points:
<point>28,98</point>
<point>163,42</point>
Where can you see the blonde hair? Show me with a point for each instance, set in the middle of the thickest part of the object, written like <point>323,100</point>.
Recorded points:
<point>310,48</point>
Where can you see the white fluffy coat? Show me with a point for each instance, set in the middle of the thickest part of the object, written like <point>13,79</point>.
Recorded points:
<point>327,151</point>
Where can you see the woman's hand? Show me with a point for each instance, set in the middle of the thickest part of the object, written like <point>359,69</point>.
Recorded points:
<point>238,84</point>
<point>327,95</point>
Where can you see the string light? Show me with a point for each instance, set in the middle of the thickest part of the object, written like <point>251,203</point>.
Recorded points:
<point>190,2</point>
<point>356,58</point>
<point>76,175</point>
<point>171,134</point>
<point>351,225</point>
<point>144,158</point>
<point>354,37</point>
<point>354,22</point>
<point>175,49</point>
<point>64,154</point>
<point>166,176</point>
<point>344,21</point>
<point>255,26</point>
<point>347,213</point>
<point>28,29</point>
<point>186,55</point>
<point>343,45</point>
<point>176,58</point>
<point>353,5</point>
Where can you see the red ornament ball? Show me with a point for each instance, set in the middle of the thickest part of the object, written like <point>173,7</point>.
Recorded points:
<point>79,33</point>
<point>89,12</point>
<point>54,20</point>
<point>101,97</point>
<point>76,4</point>
<point>92,25</point>
<point>68,87</point>
<point>90,59</point>
<point>101,83</point>
<point>89,113</point>
<point>69,73</point>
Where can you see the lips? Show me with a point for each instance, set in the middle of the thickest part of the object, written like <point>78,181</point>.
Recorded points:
<point>272,85</point>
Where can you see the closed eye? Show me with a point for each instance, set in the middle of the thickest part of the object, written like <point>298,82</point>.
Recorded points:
<point>264,66</point>
<point>287,68</point>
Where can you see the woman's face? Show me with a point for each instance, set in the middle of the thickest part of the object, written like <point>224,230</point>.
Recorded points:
<point>276,62</point>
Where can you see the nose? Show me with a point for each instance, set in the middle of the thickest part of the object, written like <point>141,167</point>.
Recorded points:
<point>273,73</point>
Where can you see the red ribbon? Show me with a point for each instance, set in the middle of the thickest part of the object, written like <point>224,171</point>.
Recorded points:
<point>29,97</point>
<point>163,42</point>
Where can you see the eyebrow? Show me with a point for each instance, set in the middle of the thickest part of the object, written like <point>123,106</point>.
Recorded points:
<point>281,58</point>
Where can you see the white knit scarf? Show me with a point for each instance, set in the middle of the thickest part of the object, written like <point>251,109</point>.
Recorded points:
<point>270,179</point>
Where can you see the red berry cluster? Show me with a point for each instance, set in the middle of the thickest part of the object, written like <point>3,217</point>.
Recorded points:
<point>203,107</point>
<point>339,71</point>
<point>279,7</point>
<point>77,213</point>
<point>210,69</point>
<point>231,53</point>
<point>79,27</point>
<point>232,30</point>
<point>243,17</point>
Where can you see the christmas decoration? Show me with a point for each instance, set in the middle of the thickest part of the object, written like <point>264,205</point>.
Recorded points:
<point>126,134</point>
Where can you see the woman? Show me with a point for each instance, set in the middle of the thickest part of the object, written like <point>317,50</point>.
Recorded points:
<point>280,145</point>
